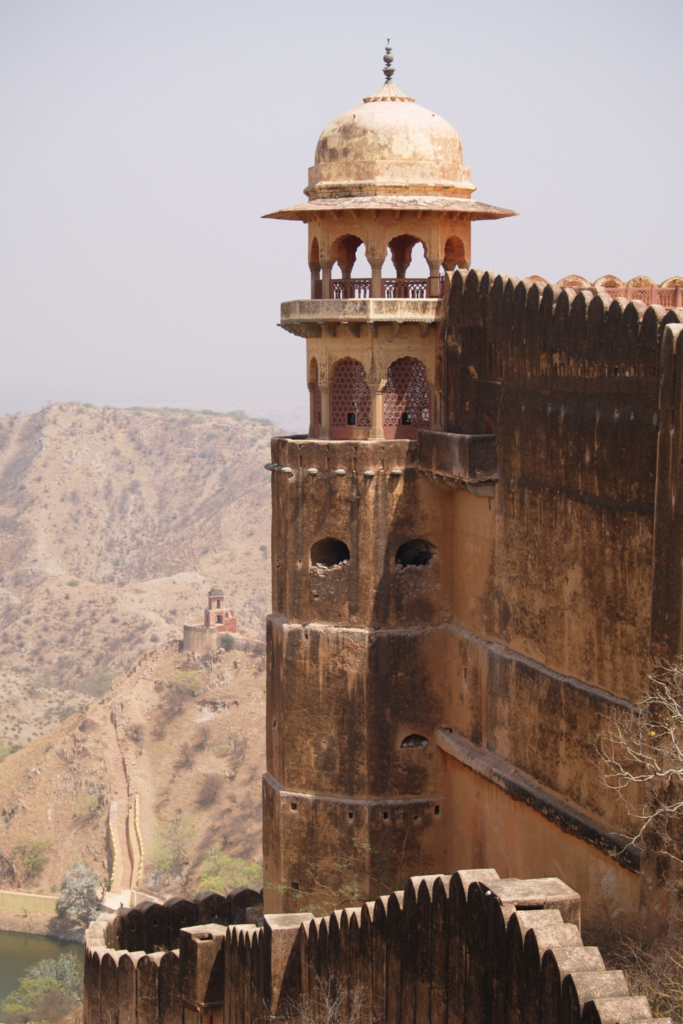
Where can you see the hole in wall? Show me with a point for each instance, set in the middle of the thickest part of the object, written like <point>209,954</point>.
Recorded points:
<point>414,740</point>
<point>350,815</point>
<point>386,815</point>
<point>293,806</point>
<point>329,552</point>
<point>295,885</point>
<point>415,552</point>
<point>437,810</point>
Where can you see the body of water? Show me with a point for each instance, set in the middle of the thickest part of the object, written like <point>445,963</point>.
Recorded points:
<point>19,951</point>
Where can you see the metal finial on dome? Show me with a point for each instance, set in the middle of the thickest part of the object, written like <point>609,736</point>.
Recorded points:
<point>388,60</point>
<point>388,91</point>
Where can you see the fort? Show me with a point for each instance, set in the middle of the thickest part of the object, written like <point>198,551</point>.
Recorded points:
<point>476,564</point>
<point>473,548</point>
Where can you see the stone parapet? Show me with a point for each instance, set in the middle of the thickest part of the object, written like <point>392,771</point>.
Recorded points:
<point>468,947</point>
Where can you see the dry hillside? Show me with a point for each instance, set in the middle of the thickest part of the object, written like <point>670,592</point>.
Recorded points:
<point>113,526</point>
<point>187,736</point>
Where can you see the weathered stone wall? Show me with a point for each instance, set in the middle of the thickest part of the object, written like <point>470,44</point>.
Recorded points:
<point>466,949</point>
<point>546,502</point>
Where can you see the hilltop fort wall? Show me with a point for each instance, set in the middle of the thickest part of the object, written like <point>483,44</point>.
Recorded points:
<point>468,948</point>
<point>442,712</point>
<point>581,564</point>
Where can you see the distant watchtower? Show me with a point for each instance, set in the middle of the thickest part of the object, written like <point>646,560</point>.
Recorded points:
<point>223,619</point>
<point>355,687</point>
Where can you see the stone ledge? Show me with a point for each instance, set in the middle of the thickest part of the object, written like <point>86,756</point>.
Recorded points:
<point>362,310</point>
<point>458,458</point>
<point>520,786</point>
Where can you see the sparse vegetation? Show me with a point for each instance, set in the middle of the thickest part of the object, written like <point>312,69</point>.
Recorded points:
<point>47,992</point>
<point>221,873</point>
<point>169,855</point>
<point>641,757</point>
<point>32,855</point>
<point>209,789</point>
<point>89,805</point>
<point>79,898</point>
<point>656,973</point>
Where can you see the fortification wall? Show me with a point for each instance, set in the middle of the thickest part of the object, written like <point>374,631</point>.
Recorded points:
<point>570,383</point>
<point>468,948</point>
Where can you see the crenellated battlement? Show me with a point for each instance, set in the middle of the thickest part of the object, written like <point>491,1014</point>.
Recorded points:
<point>470,946</point>
<point>502,325</point>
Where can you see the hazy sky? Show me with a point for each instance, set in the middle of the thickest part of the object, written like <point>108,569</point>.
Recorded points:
<point>143,139</point>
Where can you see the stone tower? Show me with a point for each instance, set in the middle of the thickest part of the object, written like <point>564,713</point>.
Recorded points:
<point>361,537</point>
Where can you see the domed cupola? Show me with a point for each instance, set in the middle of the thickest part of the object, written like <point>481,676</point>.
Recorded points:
<point>388,145</point>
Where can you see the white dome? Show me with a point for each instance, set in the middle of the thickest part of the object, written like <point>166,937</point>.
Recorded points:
<point>388,144</point>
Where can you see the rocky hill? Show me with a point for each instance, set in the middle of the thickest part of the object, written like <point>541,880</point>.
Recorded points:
<point>187,737</point>
<point>113,526</point>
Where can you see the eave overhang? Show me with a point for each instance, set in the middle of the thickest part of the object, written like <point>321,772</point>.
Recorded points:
<point>468,208</point>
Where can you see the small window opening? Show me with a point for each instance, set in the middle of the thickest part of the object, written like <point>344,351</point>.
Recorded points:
<point>218,603</point>
<point>329,552</point>
<point>351,419</point>
<point>275,723</point>
<point>219,618</point>
<point>406,419</point>
<point>350,815</point>
<point>294,806</point>
<point>414,740</point>
<point>295,885</point>
<point>416,817</point>
<point>415,552</point>
<point>386,815</point>
<point>437,810</point>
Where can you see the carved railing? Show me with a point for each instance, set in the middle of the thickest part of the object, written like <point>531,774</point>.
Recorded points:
<point>351,288</point>
<point>392,288</point>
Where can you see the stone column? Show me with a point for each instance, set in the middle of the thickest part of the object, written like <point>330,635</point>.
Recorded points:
<point>376,262</point>
<point>433,291</point>
<point>311,409</point>
<point>327,277</point>
<point>315,280</point>
<point>324,412</point>
<point>376,406</point>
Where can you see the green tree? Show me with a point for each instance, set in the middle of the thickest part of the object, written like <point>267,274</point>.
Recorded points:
<point>32,853</point>
<point>47,991</point>
<point>79,898</point>
<point>169,855</point>
<point>221,873</point>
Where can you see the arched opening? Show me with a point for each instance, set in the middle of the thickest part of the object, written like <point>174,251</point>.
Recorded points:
<point>416,286</point>
<point>344,253</point>
<point>406,399</point>
<point>454,253</point>
<point>329,552</point>
<point>414,740</point>
<point>415,552</point>
<point>314,264</point>
<point>349,401</point>
<point>219,620</point>
<point>316,404</point>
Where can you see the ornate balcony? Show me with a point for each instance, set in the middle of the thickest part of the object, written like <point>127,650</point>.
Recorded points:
<point>392,288</point>
<point>311,317</point>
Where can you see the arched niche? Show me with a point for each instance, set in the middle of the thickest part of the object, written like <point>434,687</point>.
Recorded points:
<point>406,399</point>
<point>350,407</point>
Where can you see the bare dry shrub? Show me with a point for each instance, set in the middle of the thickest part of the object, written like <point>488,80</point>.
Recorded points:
<point>657,974</point>
<point>641,759</point>
<point>209,790</point>
<point>185,757</point>
<point>331,1002</point>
